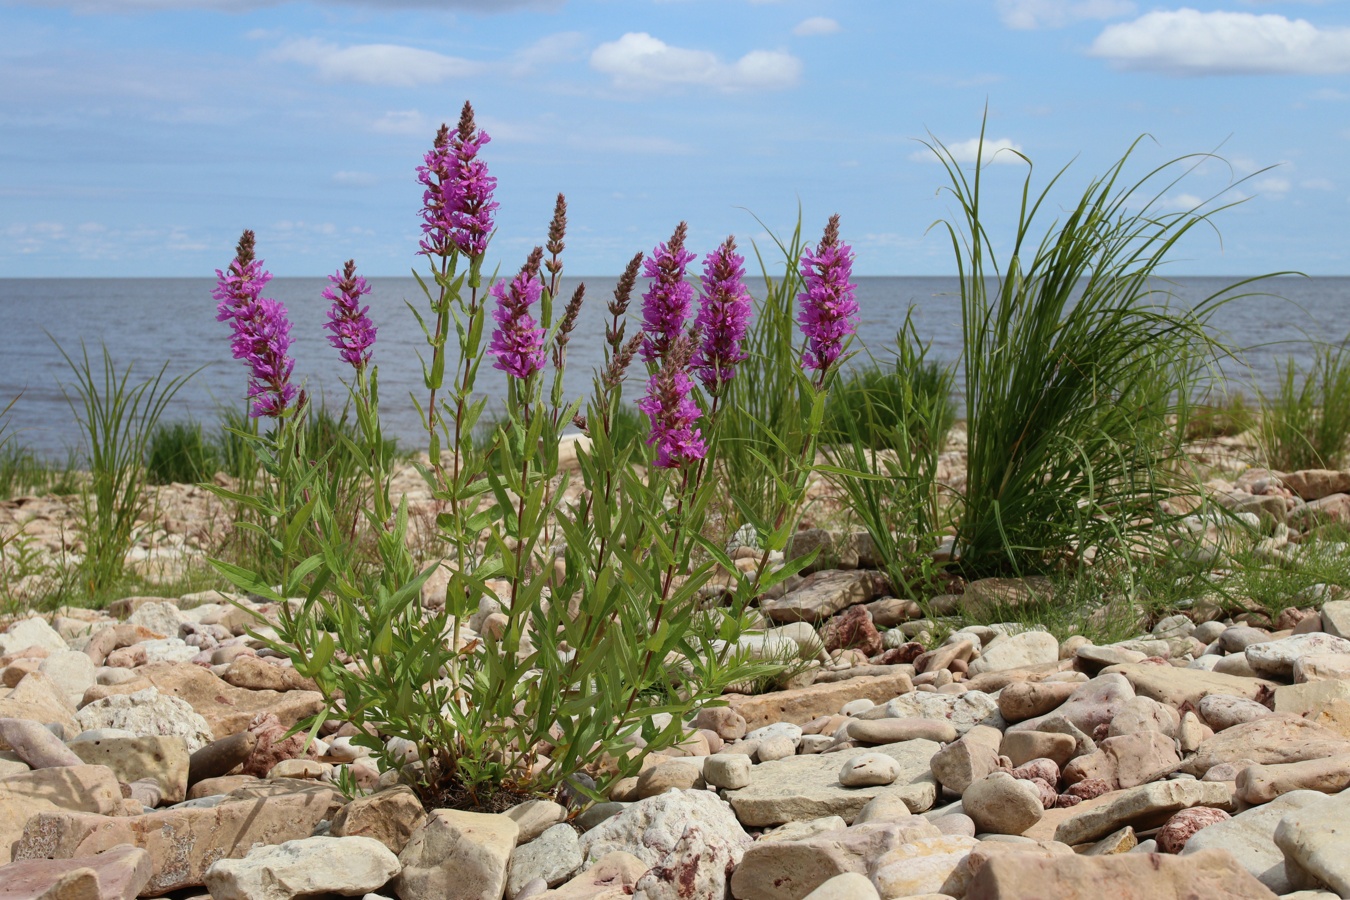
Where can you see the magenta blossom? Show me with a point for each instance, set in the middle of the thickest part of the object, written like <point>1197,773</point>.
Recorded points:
<point>673,412</point>
<point>723,317</point>
<point>518,340</point>
<point>457,204</point>
<point>665,306</point>
<point>261,330</point>
<point>353,334</point>
<point>829,310</point>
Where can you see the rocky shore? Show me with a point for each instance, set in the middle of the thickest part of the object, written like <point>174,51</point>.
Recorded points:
<point>144,752</point>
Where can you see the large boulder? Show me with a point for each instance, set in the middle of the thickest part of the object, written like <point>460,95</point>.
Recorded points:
<point>350,866</point>
<point>1125,876</point>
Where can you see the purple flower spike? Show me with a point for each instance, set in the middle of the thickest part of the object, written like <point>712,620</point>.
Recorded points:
<point>829,311</point>
<point>457,204</point>
<point>353,333</point>
<point>518,341</point>
<point>673,411</point>
<point>665,306</point>
<point>261,330</point>
<point>723,318</point>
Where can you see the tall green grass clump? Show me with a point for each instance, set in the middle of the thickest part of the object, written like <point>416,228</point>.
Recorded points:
<point>117,418</point>
<point>884,430</point>
<point>180,453</point>
<point>1305,424</point>
<point>1076,370</point>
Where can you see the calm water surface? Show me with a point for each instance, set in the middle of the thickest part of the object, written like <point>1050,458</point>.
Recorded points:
<point>145,322</point>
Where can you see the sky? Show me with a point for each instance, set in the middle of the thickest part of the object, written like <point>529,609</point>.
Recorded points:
<point>139,137</point>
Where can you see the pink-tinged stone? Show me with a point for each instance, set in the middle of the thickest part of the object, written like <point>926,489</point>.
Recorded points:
<point>119,873</point>
<point>1172,837</point>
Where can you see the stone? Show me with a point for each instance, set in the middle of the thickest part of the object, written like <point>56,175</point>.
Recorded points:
<point>1301,699</point>
<point>534,817</point>
<point>1336,618</point>
<point>851,629</point>
<point>1314,484</point>
<point>256,674</point>
<point>1128,760</point>
<point>1023,746</point>
<point>1178,830</point>
<point>221,757</point>
<point>299,868</point>
<point>776,746</point>
<point>1275,659</point>
<point>1250,836</point>
<point>274,745</point>
<point>1002,804</point>
<point>958,883</point>
<point>674,774</point>
<point>147,713</point>
<point>848,886</point>
<point>1261,784</point>
<point>672,833</point>
<point>31,632</point>
<point>984,596</point>
<point>727,770</point>
<point>1145,714</point>
<point>801,705</point>
<point>1178,687</point>
<point>964,711</point>
<point>869,769</point>
<point>82,788</point>
<point>807,787</point>
<point>1315,839</point>
<point>1321,667</point>
<point>116,874</point>
<point>389,816</point>
<point>163,759</point>
<point>554,856</point>
<point>1142,807</point>
<point>1124,876</point>
<point>1222,711</point>
<point>612,877</point>
<point>457,854</point>
<point>159,616</point>
<point>968,759</point>
<point>35,745</point>
<point>1278,738</point>
<point>1122,841</point>
<point>36,698</point>
<point>920,867</point>
<point>227,709</point>
<point>725,721</point>
<point>791,862</point>
<point>892,731</point>
<point>1093,703</point>
<point>71,671</point>
<point>1030,648</point>
<point>825,593</point>
<point>1028,699</point>
<point>182,842</point>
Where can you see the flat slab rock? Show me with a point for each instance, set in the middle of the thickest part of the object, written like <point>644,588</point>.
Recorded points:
<point>1123,876</point>
<point>801,705</point>
<point>1175,687</point>
<point>807,787</point>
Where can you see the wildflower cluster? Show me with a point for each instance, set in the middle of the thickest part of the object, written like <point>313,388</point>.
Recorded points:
<point>457,204</point>
<point>829,310</point>
<point>261,330</point>
<point>518,341</point>
<point>353,334</point>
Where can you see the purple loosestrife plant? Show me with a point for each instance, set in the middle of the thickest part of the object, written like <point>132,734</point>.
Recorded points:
<point>518,340</point>
<point>673,412</point>
<point>468,195</point>
<point>353,334</point>
<point>261,330</point>
<point>665,306</point>
<point>723,318</point>
<point>829,310</point>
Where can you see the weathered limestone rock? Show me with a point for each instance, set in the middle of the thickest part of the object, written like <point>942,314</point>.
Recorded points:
<point>554,857</point>
<point>893,731</point>
<point>968,759</point>
<point>91,789</point>
<point>390,817</point>
<point>31,632</point>
<point>869,770</point>
<point>38,699</point>
<point>1316,840</point>
<point>1178,830</point>
<point>1002,804</point>
<point>964,711</point>
<point>1221,711</point>
<point>1030,648</point>
<point>534,817</point>
<point>920,867</point>
<point>1314,484</point>
<point>727,770</point>
<point>459,855</point>
<point>317,865</point>
<point>221,757</point>
<point>164,759</point>
<point>801,705</point>
<point>613,877</point>
<point>1177,687</point>
<point>146,713</point>
<point>1279,738</point>
<point>825,593</point>
<point>1262,784</point>
<point>116,874</point>
<point>1123,876</point>
<point>807,787</point>
<point>1142,807</point>
<point>1027,699</point>
<point>1093,703</point>
<point>1275,659</point>
<point>1250,837</point>
<point>182,842</point>
<point>35,745</point>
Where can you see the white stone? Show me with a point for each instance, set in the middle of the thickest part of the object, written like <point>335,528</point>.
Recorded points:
<point>161,617</point>
<point>71,671</point>
<point>964,711</point>
<point>1250,837</point>
<point>145,713</point>
<point>1030,648</point>
<point>727,770</point>
<point>554,856</point>
<point>34,632</point>
<point>1316,839</point>
<point>316,865</point>
<point>1276,658</point>
<point>869,769</point>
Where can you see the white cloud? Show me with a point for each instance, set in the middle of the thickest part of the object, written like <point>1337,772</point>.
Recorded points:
<point>638,60</point>
<point>1190,42</point>
<point>1317,184</point>
<point>1272,185</point>
<point>550,50</point>
<point>401,121</point>
<point>1029,14</point>
<point>995,151</point>
<point>354,179</point>
<point>390,65</point>
<point>816,25</point>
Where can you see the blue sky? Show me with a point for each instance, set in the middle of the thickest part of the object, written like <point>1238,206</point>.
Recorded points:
<point>137,137</point>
